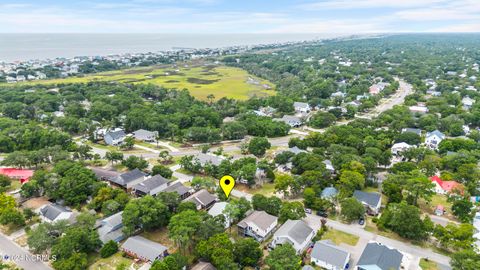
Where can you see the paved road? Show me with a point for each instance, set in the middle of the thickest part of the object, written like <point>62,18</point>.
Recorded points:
<point>12,249</point>
<point>413,251</point>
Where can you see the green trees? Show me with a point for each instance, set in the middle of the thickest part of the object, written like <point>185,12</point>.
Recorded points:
<point>162,170</point>
<point>175,261</point>
<point>45,235</point>
<point>350,181</point>
<point>462,208</point>
<point>258,146</point>
<point>352,209</point>
<point>114,156</point>
<point>134,162</point>
<point>234,131</point>
<point>466,259</point>
<point>247,252</point>
<point>283,258</point>
<point>405,220</point>
<point>182,228</point>
<point>271,205</point>
<point>110,248</point>
<point>291,210</point>
<point>218,249</point>
<point>144,213</point>
<point>322,120</point>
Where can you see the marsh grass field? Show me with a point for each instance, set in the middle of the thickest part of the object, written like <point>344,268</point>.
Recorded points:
<point>200,79</point>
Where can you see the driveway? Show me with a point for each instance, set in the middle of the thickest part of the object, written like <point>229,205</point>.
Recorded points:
<point>19,255</point>
<point>413,252</point>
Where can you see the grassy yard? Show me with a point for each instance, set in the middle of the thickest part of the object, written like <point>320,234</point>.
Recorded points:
<point>339,237</point>
<point>267,189</point>
<point>429,207</point>
<point>200,80</point>
<point>428,265</point>
<point>161,236</point>
<point>109,263</point>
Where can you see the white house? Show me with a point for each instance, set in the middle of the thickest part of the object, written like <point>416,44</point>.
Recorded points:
<point>418,109</point>
<point>302,107</point>
<point>467,102</point>
<point>400,147</point>
<point>217,209</point>
<point>259,225</point>
<point>329,256</point>
<point>54,212</point>
<point>433,139</point>
<point>115,137</point>
<point>294,232</point>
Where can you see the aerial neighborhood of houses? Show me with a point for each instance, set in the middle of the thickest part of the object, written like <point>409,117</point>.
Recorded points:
<point>349,164</point>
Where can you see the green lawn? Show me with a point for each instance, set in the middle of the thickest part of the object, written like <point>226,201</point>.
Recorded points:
<point>339,237</point>
<point>109,263</point>
<point>201,81</point>
<point>428,265</point>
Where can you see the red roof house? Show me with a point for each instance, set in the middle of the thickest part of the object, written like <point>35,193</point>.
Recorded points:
<point>22,175</point>
<point>444,187</point>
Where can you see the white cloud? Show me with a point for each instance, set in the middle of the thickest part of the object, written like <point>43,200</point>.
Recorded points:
<point>364,4</point>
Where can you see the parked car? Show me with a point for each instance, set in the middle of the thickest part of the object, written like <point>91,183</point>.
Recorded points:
<point>361,221</point>
<point>308,210</point>
<point>322,213</point>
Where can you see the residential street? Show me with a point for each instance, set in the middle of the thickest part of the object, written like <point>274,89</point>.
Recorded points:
<point>23,257</point>
<point>413,251</point>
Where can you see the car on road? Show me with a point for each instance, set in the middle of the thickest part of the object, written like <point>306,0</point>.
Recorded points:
<point>322,213</point>
<point>361,221</point>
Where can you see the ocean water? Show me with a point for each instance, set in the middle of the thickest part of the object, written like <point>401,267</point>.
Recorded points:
<point>21,47</point>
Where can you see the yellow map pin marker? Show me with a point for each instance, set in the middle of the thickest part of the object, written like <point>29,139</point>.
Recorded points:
<point>227,183</point>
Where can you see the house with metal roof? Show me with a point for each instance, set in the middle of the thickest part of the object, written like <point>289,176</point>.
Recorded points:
<point>217,209</point>
<point>301,107</point>
<point>205,159</point>
<point>144,249</point>
<point>129,179</point>
<point>202,199</point>
<point>294,232</point>
<point>179,188</point>
<point>433,139</point>
<point>259,225</point>
<point>55,212</point>
<point>379,257</point>
<point>412,130</point>
<point>114,137</point>
<point>329,256</point>
<point>329,193</point>
<point>111,228</point>
<point>371,200</point>
<point>151,186</point>
<point>203,266</point>
<point>145,135</point>
<point>290,120</point>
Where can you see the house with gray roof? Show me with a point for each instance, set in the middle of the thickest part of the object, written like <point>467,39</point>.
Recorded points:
<point>329,193</point>
<point>179,188</point>
<point>329,256</point>
<point>203,266</point>
<point>145,135</point>
<point>301,107</point>
<point>55,212</point>
<point>114,137</point>
<point>151,186</point>
<point>294,232</point>
<point>371,200</point>
<point>329,166</point>
<point>202,199</point>
<point>433,139</point>
<point>217,209</point>
<point>259,225</point>
<point>412,130</point>
<point>111,228</point>
<point>144,249</point>
<point>205,159</point>
<point>129,179</point>
<point>378,256</point>
<point>290,120</point>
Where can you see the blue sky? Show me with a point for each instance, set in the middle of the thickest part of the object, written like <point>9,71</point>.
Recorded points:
<point>239,16</point>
